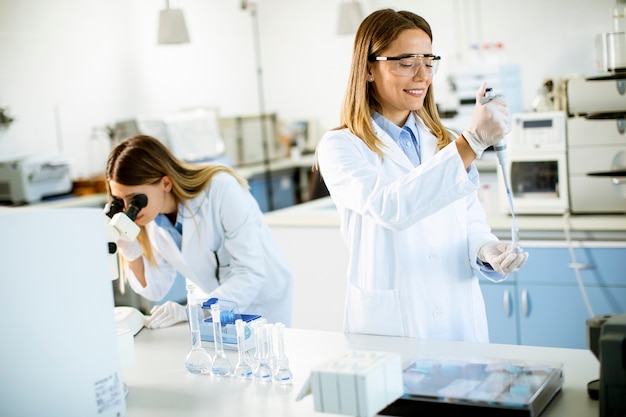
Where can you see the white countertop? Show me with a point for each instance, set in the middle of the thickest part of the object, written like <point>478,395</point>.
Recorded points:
<point>159,385</point>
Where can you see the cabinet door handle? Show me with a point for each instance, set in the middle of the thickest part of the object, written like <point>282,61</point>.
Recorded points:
<point>578,265</point>
<point>506,301</point>
<point>525,306</point>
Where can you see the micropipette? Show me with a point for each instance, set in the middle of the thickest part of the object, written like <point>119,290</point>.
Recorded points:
<point>500,149</point>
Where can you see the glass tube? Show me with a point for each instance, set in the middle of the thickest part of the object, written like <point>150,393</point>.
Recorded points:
<point>221,365</point>
<point>198,360</point>
<point>263,371</point>
<point>283,374</point>
<point>243,370</point>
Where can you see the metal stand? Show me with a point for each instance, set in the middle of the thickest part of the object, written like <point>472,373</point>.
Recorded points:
<point>246,5</point>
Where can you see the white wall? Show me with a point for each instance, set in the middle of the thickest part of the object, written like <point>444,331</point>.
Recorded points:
<point>70,67</point>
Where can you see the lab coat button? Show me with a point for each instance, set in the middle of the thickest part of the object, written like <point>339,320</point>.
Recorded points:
<point>432,255</point>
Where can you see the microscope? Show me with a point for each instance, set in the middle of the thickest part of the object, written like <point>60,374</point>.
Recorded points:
<point>121,225</point>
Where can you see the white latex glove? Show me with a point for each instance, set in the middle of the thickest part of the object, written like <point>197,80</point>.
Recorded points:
<point>165,315</point>
<point>502,260</point>
<point>129,250</point>
<point>489,124</point>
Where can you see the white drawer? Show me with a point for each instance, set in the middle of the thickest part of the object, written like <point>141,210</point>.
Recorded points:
<point>589,96</point>
<point>593,132</point>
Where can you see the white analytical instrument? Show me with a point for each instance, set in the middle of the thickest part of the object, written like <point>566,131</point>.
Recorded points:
<point>28,179</point>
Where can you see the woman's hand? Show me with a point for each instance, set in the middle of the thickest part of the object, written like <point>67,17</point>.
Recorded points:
<point>166,315</point>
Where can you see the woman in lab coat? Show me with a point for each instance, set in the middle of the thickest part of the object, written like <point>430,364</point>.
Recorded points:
<point>406,191</point>
<point>201,222</point>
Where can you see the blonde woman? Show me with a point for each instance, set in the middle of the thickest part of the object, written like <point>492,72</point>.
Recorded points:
<point>406,191</point>
<point>201,222</point>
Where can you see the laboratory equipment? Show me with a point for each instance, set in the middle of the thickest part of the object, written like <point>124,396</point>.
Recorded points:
<point>500,149</point>
<point>358,383</point>
<point>536,163</point>
<point>121,225</point>
<point>128,318</point>
<point>71,364</point>
<point>221,365</point>
<point>229,313</point>
<point>611,46</point>
<point>596,150</point>
<point>263,371</point>
<point>606,338</point>
<point>271,350</point>
<point>282,373</point>
<point>198,360</point>
<point>243,370</point>
<point>477,387</point>
<point>28,179</point>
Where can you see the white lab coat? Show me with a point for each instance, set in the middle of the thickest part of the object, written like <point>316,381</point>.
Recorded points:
<point>413,234</point>
<point>223,223</point>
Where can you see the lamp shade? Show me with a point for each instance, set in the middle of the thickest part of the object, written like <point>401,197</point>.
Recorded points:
<point>350,17</point>
<point>172,27</point>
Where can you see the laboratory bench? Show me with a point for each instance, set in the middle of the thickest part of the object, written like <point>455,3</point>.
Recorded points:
<point>159,385</point>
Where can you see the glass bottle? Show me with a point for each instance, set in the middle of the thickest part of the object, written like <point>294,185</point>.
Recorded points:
<point>283,374</point>
<point>221,365</point>
<point>243,370</point>
<point>263,371</point>
<point>198,360</point>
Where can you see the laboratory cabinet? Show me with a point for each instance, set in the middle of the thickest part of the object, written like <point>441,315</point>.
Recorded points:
<point>281,185</point>
<point>543,303</point>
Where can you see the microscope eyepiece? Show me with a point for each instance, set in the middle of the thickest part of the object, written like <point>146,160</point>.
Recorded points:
<point>136,204</point>
<point>114,207</point>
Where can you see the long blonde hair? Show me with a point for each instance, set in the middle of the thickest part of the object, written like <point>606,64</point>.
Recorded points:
<point>143,160</point>
<point>376,33</point>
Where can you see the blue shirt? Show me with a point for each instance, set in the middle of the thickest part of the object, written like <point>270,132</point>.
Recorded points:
<point>406,137</point>
<point>176,231</point>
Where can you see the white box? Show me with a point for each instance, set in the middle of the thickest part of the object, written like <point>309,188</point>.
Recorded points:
<point>359,383</point>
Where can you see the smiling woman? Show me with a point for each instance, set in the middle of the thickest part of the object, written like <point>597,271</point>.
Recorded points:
<point>406,191</point>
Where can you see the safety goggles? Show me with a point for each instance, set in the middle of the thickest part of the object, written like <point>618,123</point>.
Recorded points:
<point>409,65</point>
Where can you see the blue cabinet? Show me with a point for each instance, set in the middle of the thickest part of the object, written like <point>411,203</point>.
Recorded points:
<point>500,302</point>
<point>544,305</point>
<point>283,189</point>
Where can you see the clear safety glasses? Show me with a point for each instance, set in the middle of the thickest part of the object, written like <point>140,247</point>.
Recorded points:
<point>409,65</point>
